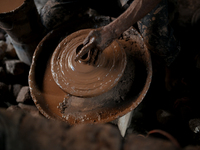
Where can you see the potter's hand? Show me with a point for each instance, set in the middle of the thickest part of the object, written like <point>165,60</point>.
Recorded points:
<point>96,41</point>
<point>100,38</point>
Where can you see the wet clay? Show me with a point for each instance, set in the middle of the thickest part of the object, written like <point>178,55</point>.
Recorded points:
<point>10,5</point>
<point>81,79</point>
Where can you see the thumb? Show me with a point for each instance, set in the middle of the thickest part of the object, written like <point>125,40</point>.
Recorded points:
<point>87,39</point>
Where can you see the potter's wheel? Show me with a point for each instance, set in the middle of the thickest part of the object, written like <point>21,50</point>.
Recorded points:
<point>62,101</point>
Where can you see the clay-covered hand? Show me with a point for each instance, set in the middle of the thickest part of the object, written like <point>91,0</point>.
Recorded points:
<point>94,44</point>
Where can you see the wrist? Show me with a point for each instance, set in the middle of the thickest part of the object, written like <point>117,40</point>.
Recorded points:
<point>109,32</point>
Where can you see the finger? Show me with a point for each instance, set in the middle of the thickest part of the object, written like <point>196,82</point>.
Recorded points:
<point>87,39</point>
<point>98,56</point>
<point>84,51</point>
<point>93,57</point>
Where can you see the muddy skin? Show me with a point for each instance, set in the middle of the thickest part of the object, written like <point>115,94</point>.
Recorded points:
<point>153,22</point>
<point>103,37</point>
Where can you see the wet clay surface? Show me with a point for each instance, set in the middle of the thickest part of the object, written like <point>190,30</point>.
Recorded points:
<point>79,78</point>
<point>9,5</point>
<point>54,103</point>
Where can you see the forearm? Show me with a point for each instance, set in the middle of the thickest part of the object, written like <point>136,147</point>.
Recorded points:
<point>137,10</point>
<point>102,37</point>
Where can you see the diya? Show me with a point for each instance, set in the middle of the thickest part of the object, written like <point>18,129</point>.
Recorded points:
<point>78,92</point>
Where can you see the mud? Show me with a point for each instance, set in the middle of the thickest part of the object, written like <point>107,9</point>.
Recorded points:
<point>10,5</point>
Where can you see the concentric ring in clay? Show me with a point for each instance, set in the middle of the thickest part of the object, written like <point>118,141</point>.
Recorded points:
<point>81,79</point>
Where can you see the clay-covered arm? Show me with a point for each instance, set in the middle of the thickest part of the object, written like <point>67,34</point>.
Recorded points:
<point>100,38</point>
